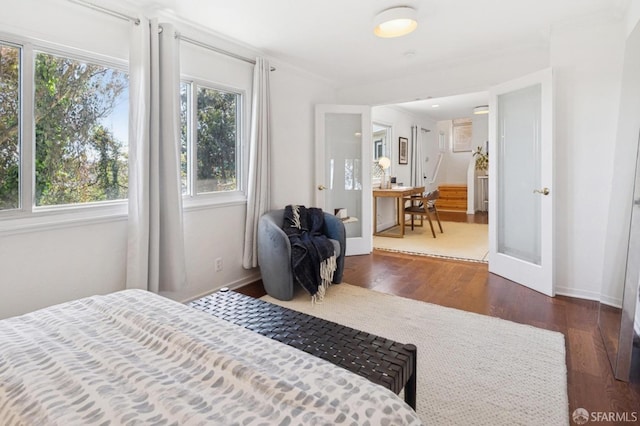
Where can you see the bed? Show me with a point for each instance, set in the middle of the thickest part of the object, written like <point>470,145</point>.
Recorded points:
<point>133,357</point>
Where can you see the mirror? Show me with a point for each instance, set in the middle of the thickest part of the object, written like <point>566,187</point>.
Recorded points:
<point>627,365</point>
<point>619,314</point>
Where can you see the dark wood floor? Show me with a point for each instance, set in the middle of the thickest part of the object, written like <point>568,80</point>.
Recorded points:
<point>470,287</point>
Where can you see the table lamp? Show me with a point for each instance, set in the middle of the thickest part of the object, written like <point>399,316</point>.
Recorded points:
<point>384,163</point>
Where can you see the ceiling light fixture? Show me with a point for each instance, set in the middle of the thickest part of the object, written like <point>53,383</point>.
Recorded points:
<point>482,109</point>
<point>395,22</point>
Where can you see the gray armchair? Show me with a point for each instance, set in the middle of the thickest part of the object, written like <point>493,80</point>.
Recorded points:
<point>274,252</point>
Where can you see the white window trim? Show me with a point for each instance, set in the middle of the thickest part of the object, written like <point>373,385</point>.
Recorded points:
<point>44,219</point>
<point>214,200</point>
<point>191,200</point>
<point>29,217</point>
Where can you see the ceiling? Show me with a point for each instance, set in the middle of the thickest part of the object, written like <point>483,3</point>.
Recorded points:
<point>334,38</point>
<point>447,108</point>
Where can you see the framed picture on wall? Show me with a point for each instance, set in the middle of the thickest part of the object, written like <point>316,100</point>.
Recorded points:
<point>403,146</point>
<point>462,134</point>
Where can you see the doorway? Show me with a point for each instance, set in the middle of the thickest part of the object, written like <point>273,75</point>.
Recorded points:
<point>465,234</point>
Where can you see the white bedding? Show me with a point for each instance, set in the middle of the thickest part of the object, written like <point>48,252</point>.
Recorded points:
<point>133,357</point>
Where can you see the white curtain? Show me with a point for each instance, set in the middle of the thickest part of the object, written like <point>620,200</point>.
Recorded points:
<point>155,252</point>
<point>258,192</point>
<point>417,171</point>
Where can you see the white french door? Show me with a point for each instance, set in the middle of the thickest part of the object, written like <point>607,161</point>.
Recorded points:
<point>343,169</point>
<point>521,181</point>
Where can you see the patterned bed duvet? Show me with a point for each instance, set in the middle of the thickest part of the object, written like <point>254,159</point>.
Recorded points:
<point>133,357</point>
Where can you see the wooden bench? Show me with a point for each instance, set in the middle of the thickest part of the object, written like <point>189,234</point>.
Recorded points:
<point>382,361</point>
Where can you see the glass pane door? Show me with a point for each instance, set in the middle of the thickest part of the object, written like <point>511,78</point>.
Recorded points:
<point>343,150</point>
<point>518,160</point>
<point>344,168</point>
<point>521,181</point>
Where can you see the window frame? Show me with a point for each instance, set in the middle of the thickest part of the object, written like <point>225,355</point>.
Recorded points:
<point>21,90</point>
<point>191,199</point>
<point>28,216</point>
<point>387,142</point>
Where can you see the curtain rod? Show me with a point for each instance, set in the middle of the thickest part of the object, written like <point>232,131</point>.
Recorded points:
<point>216,49</point>
<point>178,36</point>
<point>110,12</point>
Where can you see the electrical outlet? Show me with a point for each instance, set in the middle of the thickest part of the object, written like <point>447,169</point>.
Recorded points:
<point>219,264</point>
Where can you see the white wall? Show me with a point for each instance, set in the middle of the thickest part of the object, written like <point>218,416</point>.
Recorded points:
<point>480,123</point>
<point>61,22</point>
<point>294,95</point>
<point>454,166</point>
<point>472,75</point>
<point>43,267</point>
<point>633,16</point>
<point>480,138</point>
<point>587,59</point>
<point>587,63</point>
<point>456,163</point>
<point>51,266</point>
<point>401,122</point>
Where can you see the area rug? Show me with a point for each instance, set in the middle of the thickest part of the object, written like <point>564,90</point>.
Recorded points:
<point>472,369</point>
<point>461,241</point>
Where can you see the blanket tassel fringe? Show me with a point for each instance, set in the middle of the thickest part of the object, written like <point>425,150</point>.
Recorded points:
<point>327,268</point>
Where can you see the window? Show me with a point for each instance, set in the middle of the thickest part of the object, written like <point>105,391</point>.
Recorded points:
<point>80,129</point>
<point>9,127</point>
<point>210,119</point>
<point>81,122</point>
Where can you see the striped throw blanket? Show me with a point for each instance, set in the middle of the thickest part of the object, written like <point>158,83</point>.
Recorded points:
<point>313,259</point>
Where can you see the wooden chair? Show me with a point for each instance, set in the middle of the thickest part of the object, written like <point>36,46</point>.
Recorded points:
<point>423,206</point>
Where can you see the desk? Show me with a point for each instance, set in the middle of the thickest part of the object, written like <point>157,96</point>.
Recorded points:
<point>399,193</point>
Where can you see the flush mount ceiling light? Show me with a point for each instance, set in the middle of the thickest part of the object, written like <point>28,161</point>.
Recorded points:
<point>482,109</point>
<point>395,22</point>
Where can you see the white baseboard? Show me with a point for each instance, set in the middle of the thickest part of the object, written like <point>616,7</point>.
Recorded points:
<point>611,301</point>
<point>580,294</point>
<point>232,285</point>
<point>244,281</point>
<point>385,225</point>
<point>560,291</point>
<point>589,295</point>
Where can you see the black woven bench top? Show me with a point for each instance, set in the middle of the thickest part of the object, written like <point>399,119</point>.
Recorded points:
<point>380,360</point>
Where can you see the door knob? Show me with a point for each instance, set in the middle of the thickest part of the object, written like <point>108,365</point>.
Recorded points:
<point>543,191</point>
<point>322,187</point>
